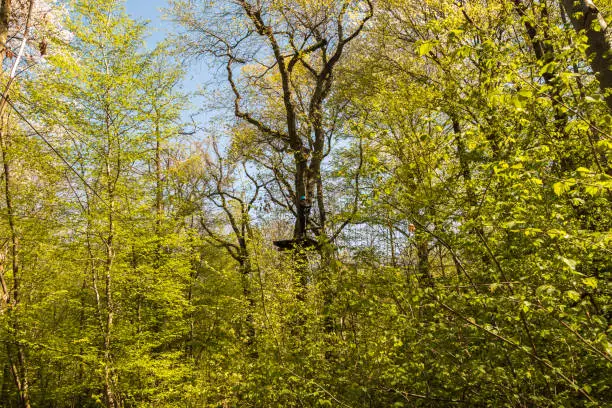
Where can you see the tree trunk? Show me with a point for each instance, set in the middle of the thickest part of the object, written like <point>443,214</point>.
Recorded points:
<point>159,188</point>
<point>108,381</point>
<point>245,272</point>
<point>585,16</point>
<point>422,245</point>
<point>18,369</point>
<point>302,196</point>
<point>112,175</point>
<point>5,16</point>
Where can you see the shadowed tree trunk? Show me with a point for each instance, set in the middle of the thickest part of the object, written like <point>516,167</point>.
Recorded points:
<point>15,348</point>
<point>584,15</point>
<point>5,16</point>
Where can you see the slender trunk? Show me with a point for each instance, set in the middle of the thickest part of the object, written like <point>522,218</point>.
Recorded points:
<point>94,278</point>
<point>159,205</point>
<point>189,346</point>
<point>245,272</point>
<point>108,381</point>
<point>392,244</point>
<point>321,206</point>
<point>19,369</point>
<point>328,272</point>
<point>111,178</point>
<point>5,295</point>
<point>4,388</point>
<point>80,377</point>
<point>110,397</point>
<point>110,313</point>
<point>422,245</point>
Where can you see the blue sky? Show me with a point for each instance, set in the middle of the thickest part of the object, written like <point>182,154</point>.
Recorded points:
<point>150,10</point>
<point>197,73</point>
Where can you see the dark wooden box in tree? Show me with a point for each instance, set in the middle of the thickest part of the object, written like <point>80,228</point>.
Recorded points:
<point>289,244</point>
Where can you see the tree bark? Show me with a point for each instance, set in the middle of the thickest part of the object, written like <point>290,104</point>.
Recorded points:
<point>5,16</point>
<point>112,175</point>
<point>584,15</point>
<point>159,187</point>
<point>18,369</point>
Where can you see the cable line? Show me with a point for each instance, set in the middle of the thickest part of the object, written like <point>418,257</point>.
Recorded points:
<point>44,139</point>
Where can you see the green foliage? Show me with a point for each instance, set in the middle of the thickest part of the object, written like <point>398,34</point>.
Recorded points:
<point>469,166</point>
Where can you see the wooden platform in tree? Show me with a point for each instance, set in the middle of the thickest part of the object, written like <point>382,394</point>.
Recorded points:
<point>289,244</point>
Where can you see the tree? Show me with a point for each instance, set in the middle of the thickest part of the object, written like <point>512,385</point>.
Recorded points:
<point>461,205</point>
<point>25,20</point>
<point>117,105</point>
<point>299,45</point>
<point>459,135</point>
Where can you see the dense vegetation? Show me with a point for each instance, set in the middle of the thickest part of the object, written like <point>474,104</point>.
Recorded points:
<point>439,170</point>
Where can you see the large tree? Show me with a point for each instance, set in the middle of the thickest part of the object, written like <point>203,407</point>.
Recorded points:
<point>289,51</point>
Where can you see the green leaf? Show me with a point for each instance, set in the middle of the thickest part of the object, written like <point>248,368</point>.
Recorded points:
<point>563,186</point>
<point>426,47</point>
<point>592,190</point>
<point>590,282</point>
<point>556,233</point>
<point>573,295</point>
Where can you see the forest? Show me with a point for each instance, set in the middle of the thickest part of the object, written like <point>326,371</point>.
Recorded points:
<point>361,203</point>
